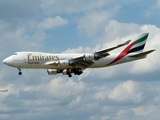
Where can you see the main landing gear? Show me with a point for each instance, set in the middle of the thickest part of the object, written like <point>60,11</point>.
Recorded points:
<point>75,71</point>
<point>69,74</point>
<point>20,73</point>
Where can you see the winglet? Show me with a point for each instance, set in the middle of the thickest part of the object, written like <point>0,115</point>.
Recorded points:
<point>127,42</point>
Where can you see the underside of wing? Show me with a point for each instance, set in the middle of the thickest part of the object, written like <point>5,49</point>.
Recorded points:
<point>81,62</point>
<point>75,62</point>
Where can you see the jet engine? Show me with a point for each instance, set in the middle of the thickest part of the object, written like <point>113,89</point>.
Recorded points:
<point>66,72</point>
<point>88,57</point>
<point>64,63</point>
<point>53,71</point>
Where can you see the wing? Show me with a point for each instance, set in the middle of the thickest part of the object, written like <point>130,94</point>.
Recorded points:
<point>80,62</point>
<point>112,48</point>
<point>104,52</point>
<point>85,60</point>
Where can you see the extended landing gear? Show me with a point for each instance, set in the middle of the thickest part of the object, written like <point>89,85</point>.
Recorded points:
<point>69,74</point>
<point>77,71</point>
<point>20,73</point>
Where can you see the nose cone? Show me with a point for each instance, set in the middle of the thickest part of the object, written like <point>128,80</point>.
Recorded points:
<point>8,61</point>
<point>4,61</point>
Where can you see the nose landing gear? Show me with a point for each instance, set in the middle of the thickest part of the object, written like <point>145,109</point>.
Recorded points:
<point>20,73</point>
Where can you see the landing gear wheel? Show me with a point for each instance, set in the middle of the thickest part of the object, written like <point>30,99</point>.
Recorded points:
<point>70,75</point>
<point>20,73</point>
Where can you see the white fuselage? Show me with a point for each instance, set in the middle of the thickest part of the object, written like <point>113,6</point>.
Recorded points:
<point>40,60</point>
<point>67,64</point>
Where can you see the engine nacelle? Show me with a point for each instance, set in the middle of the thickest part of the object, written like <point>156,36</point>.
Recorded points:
<point>53,71</point>
<point>88,57</point>
<point>65,72</point>
<point>64,63</point>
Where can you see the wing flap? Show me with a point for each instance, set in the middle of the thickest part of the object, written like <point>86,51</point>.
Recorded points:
<point>79,61</point>
<point>86,64</point>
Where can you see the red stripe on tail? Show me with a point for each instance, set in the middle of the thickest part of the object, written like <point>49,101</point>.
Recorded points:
<point>122,54</point>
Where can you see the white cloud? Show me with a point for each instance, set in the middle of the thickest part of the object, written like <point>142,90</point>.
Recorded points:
<point>49,23</point>
<point>158,3</point>
<point>83,49</point>
<point>117,29</point>
<point>143,110</point>
<point>102,93</point>
<point>129,91</point>
<point>93,22</point>
<point>153,9</point>
<point>68,96</point>
<point>19,38</point>
<point>152,61</point>
<point>74,50</point>
<point>72,6</point>
<point>147,112</point>
<point>61,88</point>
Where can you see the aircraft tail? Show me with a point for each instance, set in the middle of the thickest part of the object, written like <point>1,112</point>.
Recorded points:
<point>138,45</point>
<point>135,47</point>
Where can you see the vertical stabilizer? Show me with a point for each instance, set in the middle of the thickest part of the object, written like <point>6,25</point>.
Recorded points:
<point>136,46</point>
<point>139,44</point>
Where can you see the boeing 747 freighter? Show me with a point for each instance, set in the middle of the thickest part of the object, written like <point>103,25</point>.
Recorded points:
<point>76,63</point>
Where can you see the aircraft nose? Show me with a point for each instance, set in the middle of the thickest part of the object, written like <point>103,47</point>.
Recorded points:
<point>8,60</point>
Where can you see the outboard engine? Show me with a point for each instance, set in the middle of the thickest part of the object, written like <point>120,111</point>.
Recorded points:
<point>53,71</point>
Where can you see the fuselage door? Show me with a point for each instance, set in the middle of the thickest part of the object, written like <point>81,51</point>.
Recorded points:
<point>19,60</point>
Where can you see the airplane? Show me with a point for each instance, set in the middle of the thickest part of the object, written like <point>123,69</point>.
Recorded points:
<point>76,63</point>
<point>3,90</point>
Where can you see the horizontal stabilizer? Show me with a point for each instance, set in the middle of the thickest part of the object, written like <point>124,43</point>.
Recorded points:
<point>142,54</point>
